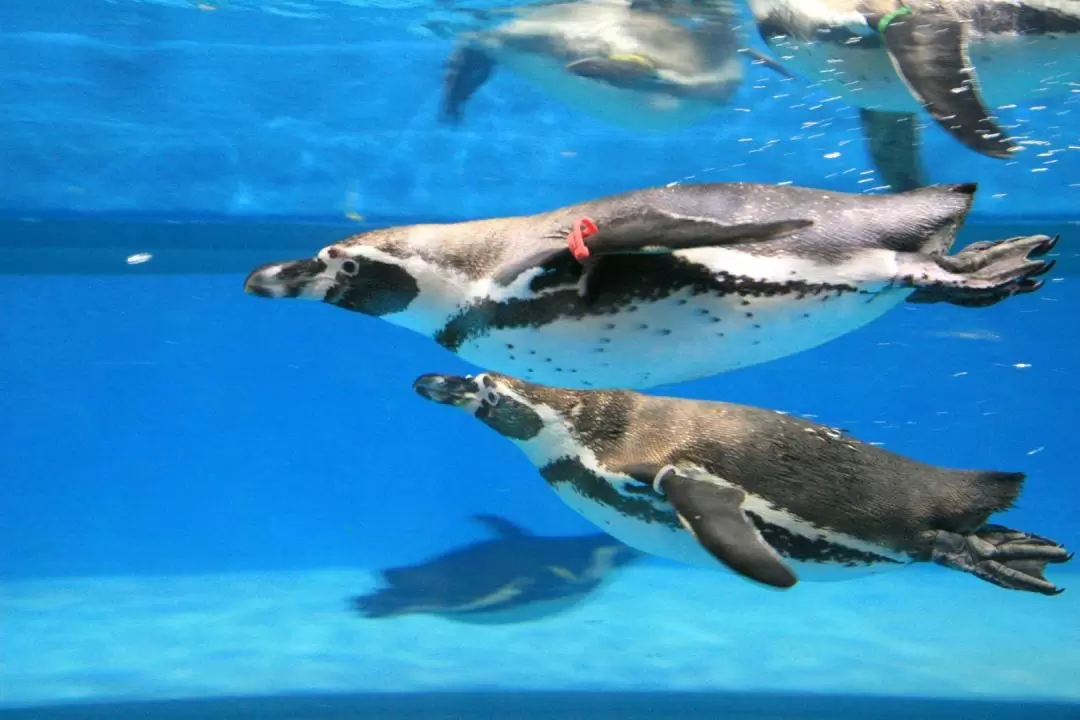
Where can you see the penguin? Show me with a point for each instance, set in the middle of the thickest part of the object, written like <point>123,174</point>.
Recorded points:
<point>771,497</point>
<point>628,66</point>
<point>663,285</point>
<point>957,59</point>
<point>515,577</point>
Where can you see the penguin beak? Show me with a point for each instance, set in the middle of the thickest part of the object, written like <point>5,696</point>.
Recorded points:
<point>446,389</point>
<point>297,278</point>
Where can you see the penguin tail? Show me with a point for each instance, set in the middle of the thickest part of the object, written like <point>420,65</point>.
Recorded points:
<point>1001,489</point>
<point>938,211</point>
<point>1002,556</point>
<point>982,494</point>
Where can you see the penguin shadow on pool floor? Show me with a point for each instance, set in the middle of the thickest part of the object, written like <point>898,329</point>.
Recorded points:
<point>515,576</point>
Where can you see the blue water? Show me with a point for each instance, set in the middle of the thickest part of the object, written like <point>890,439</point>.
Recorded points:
<point>194,481</point>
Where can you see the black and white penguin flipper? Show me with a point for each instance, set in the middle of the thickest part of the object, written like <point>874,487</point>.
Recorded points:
<point>893,142</point>
<point>651,232</point>
<point>714,515</point>
<point>928,47</point>
<point>982,274</point>
<point>1002,556</point>
<point>467,69</point>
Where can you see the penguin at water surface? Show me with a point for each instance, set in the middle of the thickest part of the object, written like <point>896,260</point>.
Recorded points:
<point>624,64</point>
<point>771,497</point>
<point>663,285</point>
<point>957,59</point>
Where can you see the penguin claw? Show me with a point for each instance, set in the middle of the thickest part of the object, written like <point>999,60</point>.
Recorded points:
<point>1043,268</point>
<point>1046,246</point>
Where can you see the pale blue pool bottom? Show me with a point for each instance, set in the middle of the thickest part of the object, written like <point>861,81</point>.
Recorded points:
<point>914,633</point>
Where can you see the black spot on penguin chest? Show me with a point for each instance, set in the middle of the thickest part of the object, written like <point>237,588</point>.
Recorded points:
<point>615,286</point>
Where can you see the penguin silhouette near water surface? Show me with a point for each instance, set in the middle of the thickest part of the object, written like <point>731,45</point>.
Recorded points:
<point>626,64</point>
<point>957,60</point>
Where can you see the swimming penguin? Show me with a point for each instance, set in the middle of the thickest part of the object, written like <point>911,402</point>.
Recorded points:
<point>631,67</point>
<point>516,577</point>
<point>663,285</point>
<point>956,59</point>
<point>771,497</point>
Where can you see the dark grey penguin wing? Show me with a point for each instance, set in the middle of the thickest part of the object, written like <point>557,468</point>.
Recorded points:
<point>892,139</point>
<point>713,514</point>
<point>467,69</point>
<point>653,231</point>
<point>928,46</point>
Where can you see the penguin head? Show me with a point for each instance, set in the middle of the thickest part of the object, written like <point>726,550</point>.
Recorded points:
<point>496,400</point>
<point>358,277</point>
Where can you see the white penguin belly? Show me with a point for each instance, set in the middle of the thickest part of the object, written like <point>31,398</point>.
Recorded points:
<point>685,337</point>
<point>1011,69</point>
<point>674,543</point>
<point>680,546</point>
<point>642,111</point>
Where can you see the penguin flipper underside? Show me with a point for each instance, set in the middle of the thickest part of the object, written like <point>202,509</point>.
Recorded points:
<point>1006,558</point>
<point>928,47</point>
<point>893,142</point>
<point>713,514</point>
<point>652,232</point>
<point>982,274</point>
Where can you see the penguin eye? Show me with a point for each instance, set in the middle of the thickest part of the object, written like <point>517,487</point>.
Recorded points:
<point>349,267</point>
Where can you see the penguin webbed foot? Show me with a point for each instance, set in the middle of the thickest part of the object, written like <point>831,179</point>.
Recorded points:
<point>998,555</point>
<point>984,273</point>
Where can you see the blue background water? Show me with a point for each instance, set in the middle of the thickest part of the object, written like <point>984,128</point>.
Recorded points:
<point>168,423</point>
<point>157,421</point>
<point>321,108</point>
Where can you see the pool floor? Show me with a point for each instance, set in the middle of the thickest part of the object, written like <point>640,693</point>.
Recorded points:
<point>914,633</point>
